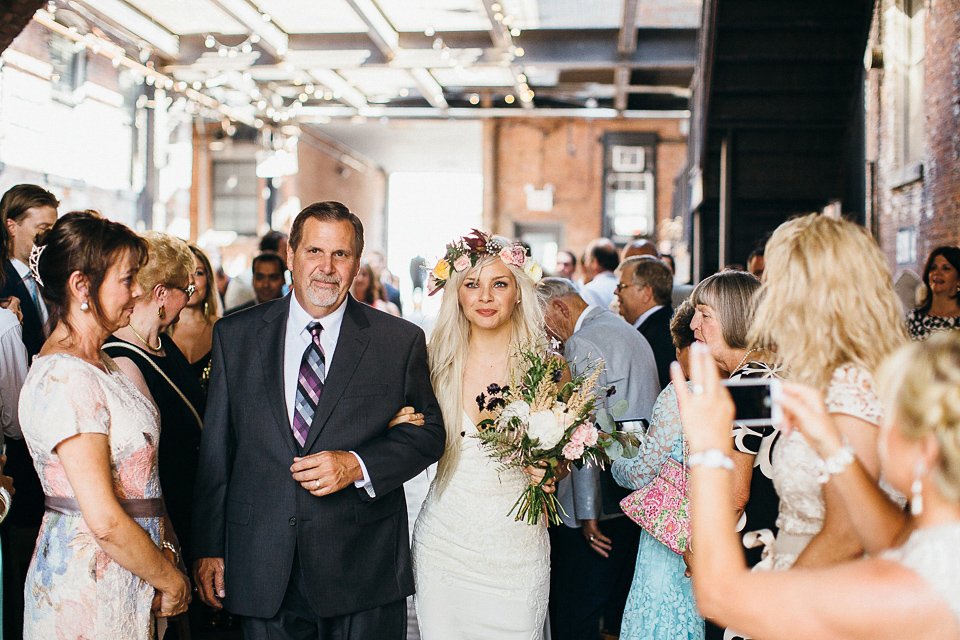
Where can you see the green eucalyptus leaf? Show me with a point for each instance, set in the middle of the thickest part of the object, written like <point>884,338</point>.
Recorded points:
<point>614,450</point>
<point>605,421</point>
<point>620,408</point>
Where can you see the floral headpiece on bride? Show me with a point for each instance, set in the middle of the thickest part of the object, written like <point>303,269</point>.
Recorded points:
<point>467,251</point>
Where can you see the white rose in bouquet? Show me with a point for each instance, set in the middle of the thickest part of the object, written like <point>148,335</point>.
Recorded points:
<point>516,409</point>
<point>545,428</point>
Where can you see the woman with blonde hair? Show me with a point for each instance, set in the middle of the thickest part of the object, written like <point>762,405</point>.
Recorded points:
<point>830,313</point>
<point>479,573</point>
<point>910,585</point>
<point>193,332</point>
<point>160,371</point>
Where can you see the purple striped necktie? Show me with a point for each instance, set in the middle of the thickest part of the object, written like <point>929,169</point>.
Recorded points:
<point>309,384</point>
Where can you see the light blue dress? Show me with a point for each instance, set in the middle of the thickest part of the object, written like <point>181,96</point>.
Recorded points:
<point>660,605</point>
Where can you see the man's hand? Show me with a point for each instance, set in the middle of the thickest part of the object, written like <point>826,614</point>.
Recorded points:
<point>326,472</point>
<point>208,574</point>
<point>601,544</point>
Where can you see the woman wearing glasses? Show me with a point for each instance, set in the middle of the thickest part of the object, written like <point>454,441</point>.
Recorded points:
<point>151,359</point>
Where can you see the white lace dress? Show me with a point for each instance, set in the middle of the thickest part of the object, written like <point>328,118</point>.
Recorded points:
<point>796,466</point>
<point>479,574</point>
<point>934,554</point>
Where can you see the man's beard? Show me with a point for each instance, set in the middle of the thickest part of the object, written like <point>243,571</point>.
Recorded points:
<point>323,297</point>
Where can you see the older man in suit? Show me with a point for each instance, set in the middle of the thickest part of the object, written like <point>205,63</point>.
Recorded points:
<point>644,291</point>
<point>594,552</point>
<point>300,517</point>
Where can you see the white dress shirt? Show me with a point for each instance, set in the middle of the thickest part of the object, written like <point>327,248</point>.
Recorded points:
<point>582,316</point>
<point>296,340</point>
<point>601,290</point>
<point>13,370</point>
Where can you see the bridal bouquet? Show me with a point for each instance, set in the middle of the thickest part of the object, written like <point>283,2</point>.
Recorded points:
<point>536,421</point>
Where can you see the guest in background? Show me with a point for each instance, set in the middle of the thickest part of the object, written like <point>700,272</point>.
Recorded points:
<point>389,282</point>
<point>269,271</point>
<point>599,262</point>
<point>25,211</point>
<point>644,291</point>
<point>13,370</point>
<point>193,332</point>
<point>567,265</point>
<point>755,263</point>
<point>940,308</point>
<point>161,372</point>
<point>639,247</point>
<point>592,553</point>
<point>105,556</point>
<point>910,585</point>
<point>660,605</point>
<point>830,320</point>
<point>724,307</point>
<point>368,289</point>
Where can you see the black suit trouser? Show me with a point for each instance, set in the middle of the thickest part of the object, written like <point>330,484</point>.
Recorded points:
<point>296,619</point>
<point>585,587</point>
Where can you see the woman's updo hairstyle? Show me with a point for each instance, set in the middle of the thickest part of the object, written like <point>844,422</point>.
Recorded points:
<point>920,387</point>
<point>86,242</point>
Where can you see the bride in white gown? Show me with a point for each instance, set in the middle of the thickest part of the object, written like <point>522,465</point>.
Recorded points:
<point>479,573</point>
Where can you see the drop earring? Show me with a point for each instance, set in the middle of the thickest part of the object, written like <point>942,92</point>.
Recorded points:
<point>160,312</point>
<point>84,306</point>
<point>916,490</point>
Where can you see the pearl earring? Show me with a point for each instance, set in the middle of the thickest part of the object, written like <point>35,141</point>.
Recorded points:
<point>84,306</point>
<point>916,490</point>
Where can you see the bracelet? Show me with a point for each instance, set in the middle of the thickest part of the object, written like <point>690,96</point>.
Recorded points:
<point>7,500</point>
<point>165,544</point>
<point>837,463</point>
<point>711,459</point>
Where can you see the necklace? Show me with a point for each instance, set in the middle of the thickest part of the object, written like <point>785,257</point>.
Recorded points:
<point>735,369</point>
<point>155,349</point>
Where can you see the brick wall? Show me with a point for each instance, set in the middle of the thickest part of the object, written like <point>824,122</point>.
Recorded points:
<point>923,196</point>
<point>568,154</point>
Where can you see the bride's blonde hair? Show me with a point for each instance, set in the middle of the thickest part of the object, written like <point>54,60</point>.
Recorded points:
<point>447,351</point>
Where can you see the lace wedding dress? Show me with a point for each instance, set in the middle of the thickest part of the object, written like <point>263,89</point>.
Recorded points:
<point>480,575</point>
<point>796,467</point>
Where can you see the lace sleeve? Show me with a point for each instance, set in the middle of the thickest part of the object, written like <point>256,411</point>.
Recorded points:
<point>851,392</point>
<point>661,439</point>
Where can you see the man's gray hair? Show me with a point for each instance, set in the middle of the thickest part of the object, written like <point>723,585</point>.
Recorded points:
<point>551,288</point>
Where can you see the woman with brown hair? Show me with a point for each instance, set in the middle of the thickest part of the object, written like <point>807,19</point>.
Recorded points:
<point>940,308</point>
<point>105,560</point>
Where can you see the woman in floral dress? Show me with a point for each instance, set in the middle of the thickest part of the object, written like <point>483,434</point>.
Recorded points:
<point>103,565</point>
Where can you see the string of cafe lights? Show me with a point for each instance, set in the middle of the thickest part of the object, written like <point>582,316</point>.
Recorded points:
<point>145,72</point>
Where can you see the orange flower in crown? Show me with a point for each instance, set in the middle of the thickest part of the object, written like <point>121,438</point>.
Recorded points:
<point>466,252</point>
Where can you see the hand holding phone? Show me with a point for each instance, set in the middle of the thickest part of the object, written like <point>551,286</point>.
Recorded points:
<point>757,401</point>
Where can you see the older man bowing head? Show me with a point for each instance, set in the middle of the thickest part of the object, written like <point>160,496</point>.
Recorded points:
<point>593,555</point>
<point>301,521</point>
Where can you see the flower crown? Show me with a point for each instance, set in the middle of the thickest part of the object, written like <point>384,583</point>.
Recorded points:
<point>467,251</point>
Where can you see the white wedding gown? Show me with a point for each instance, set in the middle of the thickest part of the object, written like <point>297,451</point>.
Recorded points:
<point>480,575</point>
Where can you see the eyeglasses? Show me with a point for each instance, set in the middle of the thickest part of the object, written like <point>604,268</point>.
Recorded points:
<point>623,285</point>
<point>189,289</point>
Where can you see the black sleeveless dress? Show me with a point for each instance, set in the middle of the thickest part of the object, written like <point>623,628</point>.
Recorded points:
<point>179,448</point>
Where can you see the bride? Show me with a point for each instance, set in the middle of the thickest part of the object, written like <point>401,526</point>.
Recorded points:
<point>479,573</point>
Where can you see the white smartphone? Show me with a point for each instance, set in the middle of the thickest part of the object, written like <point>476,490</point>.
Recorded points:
<point>757,401</point>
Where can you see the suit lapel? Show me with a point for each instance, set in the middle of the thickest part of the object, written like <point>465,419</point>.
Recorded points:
<point>271,338</point>
<point>350,347</point>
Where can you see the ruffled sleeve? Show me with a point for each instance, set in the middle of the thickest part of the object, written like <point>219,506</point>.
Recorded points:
<point>662,438</point>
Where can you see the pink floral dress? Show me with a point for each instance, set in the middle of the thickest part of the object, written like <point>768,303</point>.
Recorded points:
<point>74,589</point>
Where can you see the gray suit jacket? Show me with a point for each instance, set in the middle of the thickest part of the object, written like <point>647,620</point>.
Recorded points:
<point>631,368</point>
<point>248,509</point>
